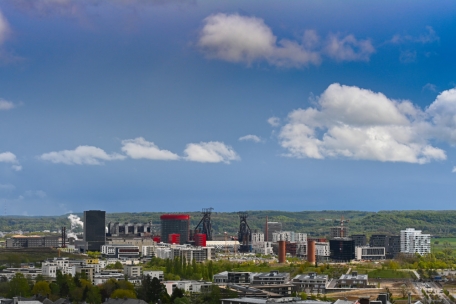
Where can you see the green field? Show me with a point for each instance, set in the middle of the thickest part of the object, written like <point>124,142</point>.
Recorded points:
<point>390,274</point>
<point>444,244</point>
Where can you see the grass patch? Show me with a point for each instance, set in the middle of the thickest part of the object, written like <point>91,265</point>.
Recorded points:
<point>389,274</point>
<point>31,255</point>
<point>440,244</point>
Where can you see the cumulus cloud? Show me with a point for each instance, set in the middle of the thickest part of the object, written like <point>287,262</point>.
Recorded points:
<point>244,39</point>
<point>210,152</point>
<point>274,121</point>
<point>6,105</point>
<point>82,155</point>
<point>8,157</point>
<point>140,148</point>
<point>349,48</point>
<point>250,137</point>
<point>355,123</point>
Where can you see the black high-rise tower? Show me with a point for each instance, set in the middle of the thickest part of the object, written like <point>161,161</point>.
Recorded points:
<point>94,229</point>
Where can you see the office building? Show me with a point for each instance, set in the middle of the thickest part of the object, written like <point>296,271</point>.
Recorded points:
<point>94,230</point>
<point>370,253</point>
<point>342,249</point>
<point>172,224</point>
<point>360,240</point>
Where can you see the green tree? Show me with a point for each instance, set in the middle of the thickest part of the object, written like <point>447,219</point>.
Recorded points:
<point>123,293</point>
<point>93,295</point>
<point>41,288</point>
<point>151,290</point>
<point>18,286</point>
<point>177,293</point>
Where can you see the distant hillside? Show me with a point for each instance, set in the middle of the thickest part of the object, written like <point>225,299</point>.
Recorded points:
<point>316,223</point>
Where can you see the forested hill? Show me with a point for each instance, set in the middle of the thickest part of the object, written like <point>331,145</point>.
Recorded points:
<point>316,223</point>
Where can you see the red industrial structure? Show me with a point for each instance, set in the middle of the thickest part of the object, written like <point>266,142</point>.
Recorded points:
<point>311,251</point>
<point>174,238</point>
<point>282,252</point>
<point>200,239</point>
<point>156,239</point>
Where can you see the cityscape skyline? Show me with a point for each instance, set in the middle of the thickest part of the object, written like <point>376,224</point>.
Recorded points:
<point>162,106</point>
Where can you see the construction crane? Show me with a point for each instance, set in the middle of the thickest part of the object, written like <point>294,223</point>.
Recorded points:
<point>205,223</point>
<point>338,231</point>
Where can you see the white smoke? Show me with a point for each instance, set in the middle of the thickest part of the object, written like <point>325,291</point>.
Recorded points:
<point>75,222</point>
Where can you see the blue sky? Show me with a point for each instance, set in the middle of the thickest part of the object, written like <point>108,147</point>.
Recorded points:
<point>181,105</point>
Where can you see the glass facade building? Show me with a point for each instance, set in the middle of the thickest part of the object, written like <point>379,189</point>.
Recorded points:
<point>94,229</point>
<point>175,224</point>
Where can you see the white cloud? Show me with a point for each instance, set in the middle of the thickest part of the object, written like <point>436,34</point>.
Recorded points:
<point>430,87</point>
<point>454,170</point>
<point>140,148</point>
<point>349,48</point>
<point>4,28</point>
<point>210,152</point>
<point>82,155</point>
<point>274,121</point>
<point>442,112</point>
<point>429,36</point>
<point>356,123</point>
<point>250,137</point>
<point>7,187</point>
<point>6,105</point>
<point>238,38</point>
<point>8,157</point>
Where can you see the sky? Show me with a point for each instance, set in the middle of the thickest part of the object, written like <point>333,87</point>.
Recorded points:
<point>173,106</point>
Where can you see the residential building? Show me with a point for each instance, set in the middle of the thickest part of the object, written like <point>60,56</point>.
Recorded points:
<point>273,277</point>
<point>310,282</point>
<point>322,249</point>
<point>154,274</point>
<point>413,241</point>
<point>132,271</point>
<point>353,280</point>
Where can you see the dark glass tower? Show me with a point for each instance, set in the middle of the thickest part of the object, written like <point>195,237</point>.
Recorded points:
<point>94,229</point>
<point>175,224</point>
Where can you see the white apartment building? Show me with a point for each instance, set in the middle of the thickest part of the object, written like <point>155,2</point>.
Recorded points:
<point>413,241</point>
<point>289,236</point>
<point>262,248</point>
<point>322,249</point>
<point>257,237</point>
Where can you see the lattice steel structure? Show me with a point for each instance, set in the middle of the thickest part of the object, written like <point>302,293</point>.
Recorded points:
<point>245,233</point>
<point>205,224</point>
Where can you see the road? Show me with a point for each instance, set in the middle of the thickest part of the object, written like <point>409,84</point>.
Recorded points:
<point>431,288</point>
